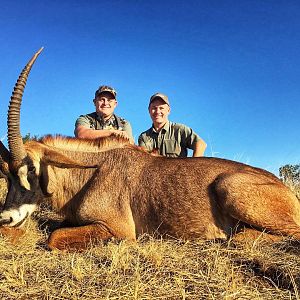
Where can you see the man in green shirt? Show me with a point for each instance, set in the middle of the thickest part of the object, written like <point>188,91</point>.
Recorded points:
<point>169,138</point>
<point>103,122</point>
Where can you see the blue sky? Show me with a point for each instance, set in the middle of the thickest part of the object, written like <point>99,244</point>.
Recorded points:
<point>231,69</point>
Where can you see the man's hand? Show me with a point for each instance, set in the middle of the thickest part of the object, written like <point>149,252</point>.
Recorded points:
<point>122,134</point>
<point>83,132</point>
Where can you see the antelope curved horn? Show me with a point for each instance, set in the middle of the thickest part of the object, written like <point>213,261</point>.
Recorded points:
<point>15,143</point>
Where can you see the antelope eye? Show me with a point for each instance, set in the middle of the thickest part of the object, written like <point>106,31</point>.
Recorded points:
<point>22,190</point>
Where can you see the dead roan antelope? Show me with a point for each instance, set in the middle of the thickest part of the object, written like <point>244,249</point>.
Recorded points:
<point>108,188</point>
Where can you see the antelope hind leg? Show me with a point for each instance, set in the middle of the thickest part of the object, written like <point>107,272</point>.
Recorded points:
<point>260,200</point>
<point>249,235</point>
<point>77,238</point>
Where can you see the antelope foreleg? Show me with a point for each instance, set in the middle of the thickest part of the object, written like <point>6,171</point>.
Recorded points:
<point>78,238</point>
<point>13,234</point>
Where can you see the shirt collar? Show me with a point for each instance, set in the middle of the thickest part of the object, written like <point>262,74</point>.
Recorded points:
<point>164,128</point>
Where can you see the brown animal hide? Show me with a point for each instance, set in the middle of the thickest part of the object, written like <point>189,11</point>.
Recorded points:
<point>133,192</point>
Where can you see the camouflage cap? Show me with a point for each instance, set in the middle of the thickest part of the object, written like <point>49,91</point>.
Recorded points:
<point>105,89</point>
<point>160,96</point>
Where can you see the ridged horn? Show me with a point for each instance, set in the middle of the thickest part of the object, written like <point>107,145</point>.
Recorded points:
<point>15,143</point>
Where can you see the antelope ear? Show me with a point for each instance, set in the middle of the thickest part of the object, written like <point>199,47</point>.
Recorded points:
<point>4,170</point>
<point>2,174</point>
<point>54,158</point>
<point>4,160</point>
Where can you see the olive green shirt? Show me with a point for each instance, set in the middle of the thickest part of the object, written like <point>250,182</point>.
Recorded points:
<point>94,121</point>
<point>172,140</point>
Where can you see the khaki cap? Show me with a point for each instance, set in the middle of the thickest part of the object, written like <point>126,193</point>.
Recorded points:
<point>107,89</point>
<point>160,96</point>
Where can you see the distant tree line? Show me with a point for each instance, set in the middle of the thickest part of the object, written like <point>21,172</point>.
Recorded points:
<point>290,175</point>
<point>27,137</point>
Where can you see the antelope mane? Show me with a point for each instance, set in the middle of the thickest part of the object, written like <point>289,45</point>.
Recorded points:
<point>85,145</point>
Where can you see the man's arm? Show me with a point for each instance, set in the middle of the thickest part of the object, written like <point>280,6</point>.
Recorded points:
<point>199,148</point>
<point>193,141</point>
<point>88,133</point>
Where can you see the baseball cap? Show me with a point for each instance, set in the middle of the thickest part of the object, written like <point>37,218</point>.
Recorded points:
<point>161,96</point>
<point>105,89</point>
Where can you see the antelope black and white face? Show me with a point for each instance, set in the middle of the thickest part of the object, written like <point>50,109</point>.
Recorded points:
<point>23,183</point>
<point>24,194</point>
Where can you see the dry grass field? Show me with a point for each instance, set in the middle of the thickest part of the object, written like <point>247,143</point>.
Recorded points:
<point>149,269</point>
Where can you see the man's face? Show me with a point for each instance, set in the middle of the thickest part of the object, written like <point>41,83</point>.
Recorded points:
<point>105,104</point>
<point>159,111</point>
